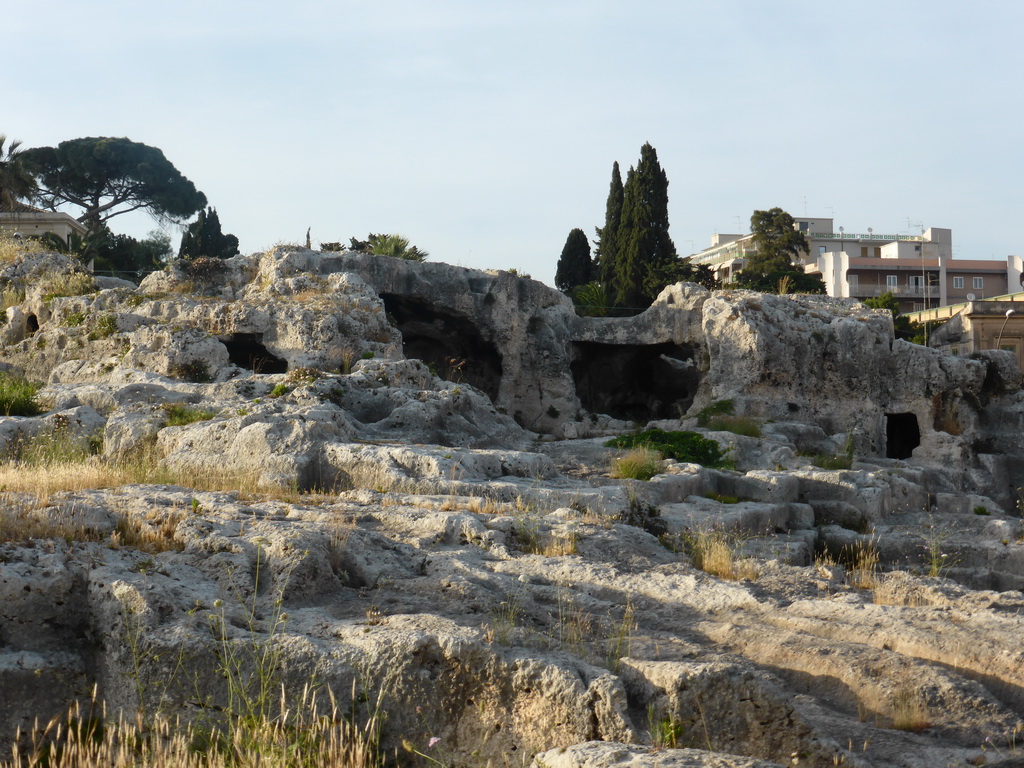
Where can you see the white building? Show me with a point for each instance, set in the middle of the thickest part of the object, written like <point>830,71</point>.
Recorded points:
<point>919,270</point>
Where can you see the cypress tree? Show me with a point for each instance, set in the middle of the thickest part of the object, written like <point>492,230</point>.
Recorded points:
<point>643,245</point>
<point>204,238</point>
<point>605,253</point>
<point>574,265</point>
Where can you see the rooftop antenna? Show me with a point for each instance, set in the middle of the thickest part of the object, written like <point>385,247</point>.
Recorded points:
<point>805,205</point>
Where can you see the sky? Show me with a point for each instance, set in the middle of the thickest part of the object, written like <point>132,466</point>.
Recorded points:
<point>485,131</point>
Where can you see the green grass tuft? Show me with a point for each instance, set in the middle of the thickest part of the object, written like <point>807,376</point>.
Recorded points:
<point>18,396</point>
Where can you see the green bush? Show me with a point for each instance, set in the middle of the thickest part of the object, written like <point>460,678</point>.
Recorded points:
<point>280,390</point>
<point>18,396</point>
<point>687,447</point>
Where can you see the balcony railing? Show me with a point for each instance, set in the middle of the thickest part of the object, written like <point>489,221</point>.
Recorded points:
<point>904,291</point>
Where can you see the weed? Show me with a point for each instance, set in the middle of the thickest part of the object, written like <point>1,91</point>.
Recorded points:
<point>179,415</point>
<point>12,247</point>
<point>11,296</point>
<point>910,710</point>
<point>303,375</point>
<point>862,564</point>
<point>503,621</point>
<point>18,396</point>
<point>831,461</point>
<point>719,417</point>
<point>621,639</point>
<point>104,327</point>
<point>67,284</point>
<point>74,319</point>
<point>981,510</point>
<point>196,371</point>
<point>722,498</point>
<point>280,390</point>
<point>637,464</point>
<point>716,552</point>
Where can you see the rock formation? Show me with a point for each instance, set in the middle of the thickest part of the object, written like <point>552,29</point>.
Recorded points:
<point>425,513</point>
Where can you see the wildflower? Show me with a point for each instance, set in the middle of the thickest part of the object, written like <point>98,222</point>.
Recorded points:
<point>433,741</point>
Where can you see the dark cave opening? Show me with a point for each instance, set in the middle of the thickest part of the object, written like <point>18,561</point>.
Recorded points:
<point>902,435</point>
<point>447,341</point>
<point>635,382</point>
<point>31,324</point>
<point>246,350</point>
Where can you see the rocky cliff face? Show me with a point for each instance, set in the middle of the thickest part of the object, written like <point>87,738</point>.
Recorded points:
<point>429,513</point>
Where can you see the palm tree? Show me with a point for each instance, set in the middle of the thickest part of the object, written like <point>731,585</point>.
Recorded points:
<point>397,246</point>
<point>16,181</point>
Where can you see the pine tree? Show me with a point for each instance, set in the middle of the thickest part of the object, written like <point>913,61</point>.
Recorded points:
<point>777,241</point>
<point>574,265</point>
<point>608,235</point>
<point>643,244</point>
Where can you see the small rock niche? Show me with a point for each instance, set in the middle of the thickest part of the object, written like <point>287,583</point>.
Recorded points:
<point>246,350</point>
<point>902,435</point>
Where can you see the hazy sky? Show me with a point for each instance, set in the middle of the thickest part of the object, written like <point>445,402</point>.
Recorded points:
<point>485,131</point>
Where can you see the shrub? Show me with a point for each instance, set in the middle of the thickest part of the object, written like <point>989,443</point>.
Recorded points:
<point>18,396</point>
<point>687,447</point>
<point>280,390</point>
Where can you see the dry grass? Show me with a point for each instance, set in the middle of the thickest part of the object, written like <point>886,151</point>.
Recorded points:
<point>637,464</point>
<point>862,571</point>
<point>11,248</point>
<point>301,736</point>
<point>909,710</point>
<point>720,554</point>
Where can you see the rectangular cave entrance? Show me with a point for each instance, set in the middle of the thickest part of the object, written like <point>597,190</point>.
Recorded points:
<point>246,350</point>
<point>448,341</point>
<point>635,382</point>
<point>902,435</point>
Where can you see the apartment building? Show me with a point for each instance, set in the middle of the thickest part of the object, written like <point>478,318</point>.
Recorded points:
<point>919,270</point>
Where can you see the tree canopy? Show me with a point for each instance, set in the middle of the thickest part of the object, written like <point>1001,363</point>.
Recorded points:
<point>643,244</point>
<point>607,236</point>
<point>16,181</point>
<point>777,242</point>
<point>203,237</point>
<point>107,177</point>
<point>575,267</point>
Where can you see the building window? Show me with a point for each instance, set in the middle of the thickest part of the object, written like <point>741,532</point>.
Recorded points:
<point>863,251</point>
<point>803,226</point>
<point>821,250</point>
<point>979,283</point>
<point>891,281</point>
<point>958,282</point>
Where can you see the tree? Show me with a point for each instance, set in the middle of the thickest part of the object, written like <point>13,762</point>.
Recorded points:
<point>203,237</point>
<point>575,267</point>
<point>643,244</point>
<point>778,244</point>
<point>388,245</point>
<point>902,327</point>
<point>123,255</point>
<point>16,181</point>
<point>608,235</point>
<point>107,177</point>
<point>680,271</point>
